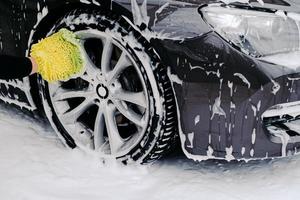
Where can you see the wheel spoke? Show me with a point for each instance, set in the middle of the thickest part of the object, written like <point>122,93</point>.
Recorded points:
<point>137,98</point>
<point>115,140</point>
<point>63,95</point>
<point>122,64</point>
<point>83,134</point>
<point>88,78</point>
<point>129,114</point>
<point>99,129</point>
<point>90,67</point>
<point>72,115</point>
<point>106,55</point>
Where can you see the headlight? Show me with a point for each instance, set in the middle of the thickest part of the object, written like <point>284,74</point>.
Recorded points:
<point>255,32</point>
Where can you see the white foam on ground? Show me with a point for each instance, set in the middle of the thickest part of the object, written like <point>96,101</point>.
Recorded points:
<point>34,165</point>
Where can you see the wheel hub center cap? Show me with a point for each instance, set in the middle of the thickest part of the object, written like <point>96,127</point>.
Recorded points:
<point>102,91</point>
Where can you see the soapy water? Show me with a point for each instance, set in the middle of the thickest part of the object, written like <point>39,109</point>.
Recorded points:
<point>35,165</point>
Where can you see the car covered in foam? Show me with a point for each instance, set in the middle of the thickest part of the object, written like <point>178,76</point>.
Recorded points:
<point>220,77</point>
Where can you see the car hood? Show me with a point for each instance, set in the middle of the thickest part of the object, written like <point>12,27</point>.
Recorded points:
<point>286,5</point>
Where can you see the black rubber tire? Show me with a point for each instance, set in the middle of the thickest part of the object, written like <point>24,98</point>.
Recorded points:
<point>162,128</point>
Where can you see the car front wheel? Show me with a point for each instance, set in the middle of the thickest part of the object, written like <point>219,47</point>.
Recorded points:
<point>123,104</point>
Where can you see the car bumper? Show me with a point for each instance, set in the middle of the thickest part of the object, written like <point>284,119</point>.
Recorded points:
<point>223,97</point>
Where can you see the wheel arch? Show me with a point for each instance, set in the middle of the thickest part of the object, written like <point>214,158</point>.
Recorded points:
<point>54,13</point>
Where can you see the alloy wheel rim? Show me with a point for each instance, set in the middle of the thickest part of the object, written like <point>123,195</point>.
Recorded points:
<point>119,105</point>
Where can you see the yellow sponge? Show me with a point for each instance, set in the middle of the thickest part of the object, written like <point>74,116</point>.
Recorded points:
<point>58,56</point>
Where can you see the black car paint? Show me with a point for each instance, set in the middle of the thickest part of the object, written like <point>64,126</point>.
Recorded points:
<point>205,62</point>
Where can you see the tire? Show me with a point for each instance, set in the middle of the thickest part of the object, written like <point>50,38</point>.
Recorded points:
<point>97,111</point>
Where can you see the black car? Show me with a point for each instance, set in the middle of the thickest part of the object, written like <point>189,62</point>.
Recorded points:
<point>223,76</point>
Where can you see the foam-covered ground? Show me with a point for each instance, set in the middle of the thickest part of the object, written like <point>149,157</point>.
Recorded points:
<point>34,165</point>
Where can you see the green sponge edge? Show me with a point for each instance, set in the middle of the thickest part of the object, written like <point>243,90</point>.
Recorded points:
<point>76,56</point>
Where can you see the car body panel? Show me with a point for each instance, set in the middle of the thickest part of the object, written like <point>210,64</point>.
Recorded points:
<point>221,92</point>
